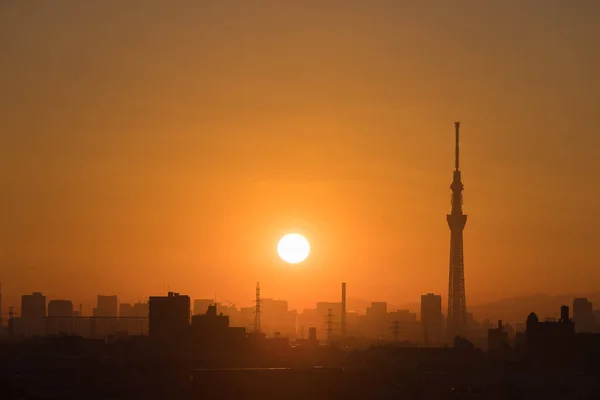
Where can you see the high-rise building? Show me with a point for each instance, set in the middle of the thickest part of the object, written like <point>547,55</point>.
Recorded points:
<point>275,317</point>
<point>583,315</point>
<point>130,322</point>
<point>312,334</point>
<point>378,323</point>
<point>105,320</point>
<point>457,305</point>
<point>201,305</point>
<point>107,306</point>
<point>552,340</point>
<point>378,309</point>
<point>60,313</point>
<point>497,339</point>
<point>33,314</point>
<point>141,310</point>
<point>126,310</point>
<point>596,316</point>
<point>212,330</point>
<point>134,318</point>
<point>60,308</point>
<point>33,305</point>
<point>431,318</point>
<point>169,317</point>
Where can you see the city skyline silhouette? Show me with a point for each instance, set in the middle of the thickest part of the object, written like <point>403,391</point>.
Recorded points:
<point>246,199</point>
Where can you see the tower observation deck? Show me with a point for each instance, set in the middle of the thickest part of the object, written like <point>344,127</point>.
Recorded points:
<point>457,307</point>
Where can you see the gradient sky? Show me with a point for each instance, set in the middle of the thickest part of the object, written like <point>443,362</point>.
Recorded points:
<point>150,144</point>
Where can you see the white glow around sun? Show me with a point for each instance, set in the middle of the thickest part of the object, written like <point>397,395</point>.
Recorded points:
<point>293,248</point>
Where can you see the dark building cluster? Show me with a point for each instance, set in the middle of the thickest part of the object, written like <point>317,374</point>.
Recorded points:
<point>195,355</point>
<point>39,317</point>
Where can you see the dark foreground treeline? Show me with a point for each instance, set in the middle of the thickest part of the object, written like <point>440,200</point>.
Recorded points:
<point>75,368</point>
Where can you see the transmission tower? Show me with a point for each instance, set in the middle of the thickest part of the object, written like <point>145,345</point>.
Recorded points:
<point>329,327</point>
<point>257,310</point>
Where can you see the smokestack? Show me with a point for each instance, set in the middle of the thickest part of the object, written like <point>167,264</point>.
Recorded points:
<point>343,309</point>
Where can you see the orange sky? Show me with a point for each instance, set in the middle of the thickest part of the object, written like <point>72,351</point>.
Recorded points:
<point>157,143</point>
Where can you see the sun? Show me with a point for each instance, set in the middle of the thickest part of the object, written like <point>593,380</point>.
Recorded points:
<point>293,248</point>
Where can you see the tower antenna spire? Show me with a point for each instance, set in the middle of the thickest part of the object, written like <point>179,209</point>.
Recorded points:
<point>457,128</point>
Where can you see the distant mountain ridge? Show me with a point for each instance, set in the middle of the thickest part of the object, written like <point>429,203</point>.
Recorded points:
<point>510,309</point>
<point>516,309</point>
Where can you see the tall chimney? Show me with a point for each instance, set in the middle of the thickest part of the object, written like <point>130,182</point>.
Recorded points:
<point>343,309</point>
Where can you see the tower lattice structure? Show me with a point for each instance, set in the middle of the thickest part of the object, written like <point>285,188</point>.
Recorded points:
<point>457,306</point>
<point>329,327</point>
<point>257,310</point>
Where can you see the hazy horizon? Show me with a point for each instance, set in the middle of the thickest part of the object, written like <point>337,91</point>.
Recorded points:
<point>152,144</point>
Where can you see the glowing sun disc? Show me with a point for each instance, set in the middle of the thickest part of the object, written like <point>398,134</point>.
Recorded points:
<point>293,248</point>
